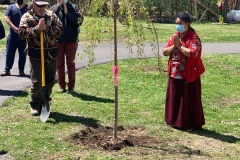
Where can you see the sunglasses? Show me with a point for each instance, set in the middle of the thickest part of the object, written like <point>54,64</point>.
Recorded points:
<point>40,6</point>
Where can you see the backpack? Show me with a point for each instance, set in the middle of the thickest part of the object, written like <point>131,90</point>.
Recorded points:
<point>2,30</point>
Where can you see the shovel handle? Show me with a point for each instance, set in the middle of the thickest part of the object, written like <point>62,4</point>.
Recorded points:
<point>42,59</point>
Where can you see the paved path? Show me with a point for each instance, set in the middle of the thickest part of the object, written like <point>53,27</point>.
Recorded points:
<point>13,85</point>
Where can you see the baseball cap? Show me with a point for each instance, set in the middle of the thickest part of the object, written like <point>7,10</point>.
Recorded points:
<point>41,2</point>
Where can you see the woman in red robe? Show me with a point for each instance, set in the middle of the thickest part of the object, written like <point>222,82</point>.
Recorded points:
<point>183,108</point>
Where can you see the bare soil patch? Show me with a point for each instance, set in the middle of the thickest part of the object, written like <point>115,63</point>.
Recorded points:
<point>178,145</point>
<point>101,137</point>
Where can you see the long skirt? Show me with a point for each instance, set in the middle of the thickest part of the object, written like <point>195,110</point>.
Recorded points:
<point>183,108</point>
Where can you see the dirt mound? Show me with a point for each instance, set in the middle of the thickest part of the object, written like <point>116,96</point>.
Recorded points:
<point>101,137</point>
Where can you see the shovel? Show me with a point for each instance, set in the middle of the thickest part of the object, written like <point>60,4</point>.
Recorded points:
<point>45,111</point>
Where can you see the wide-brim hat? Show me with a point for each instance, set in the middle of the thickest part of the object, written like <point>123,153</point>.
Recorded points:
<point>41,2</point>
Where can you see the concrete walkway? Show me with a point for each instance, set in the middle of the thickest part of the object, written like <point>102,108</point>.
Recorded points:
<point>13,85</point>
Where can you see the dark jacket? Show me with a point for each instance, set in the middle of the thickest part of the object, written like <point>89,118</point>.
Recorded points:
<point>71,21</point>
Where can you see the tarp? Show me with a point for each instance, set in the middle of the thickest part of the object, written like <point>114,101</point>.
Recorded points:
<point>233,15</point>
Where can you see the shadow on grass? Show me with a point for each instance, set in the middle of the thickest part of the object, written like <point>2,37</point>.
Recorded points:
<point>86,97</point>
<point>217,136</point>
<point>59,118</point>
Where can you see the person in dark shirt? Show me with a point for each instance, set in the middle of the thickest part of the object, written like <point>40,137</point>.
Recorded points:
<point>12,17</point>
<point>71,19</point>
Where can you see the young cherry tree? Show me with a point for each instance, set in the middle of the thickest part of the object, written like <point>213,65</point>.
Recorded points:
<point>109,15</point>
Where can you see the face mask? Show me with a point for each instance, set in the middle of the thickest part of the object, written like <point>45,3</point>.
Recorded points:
<point>65,1</point>
<point>180,28</point>
<point>19,2</point>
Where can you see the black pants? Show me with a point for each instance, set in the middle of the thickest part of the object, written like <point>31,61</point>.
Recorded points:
<point>36,77</point>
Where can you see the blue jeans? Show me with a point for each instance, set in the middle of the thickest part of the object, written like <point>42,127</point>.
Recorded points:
<point>14,43</point>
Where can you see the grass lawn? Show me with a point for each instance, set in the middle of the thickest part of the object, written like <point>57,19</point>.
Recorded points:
<point>141,105</point>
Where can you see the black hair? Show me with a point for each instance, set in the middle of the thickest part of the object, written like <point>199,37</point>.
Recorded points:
<point>186,18</point>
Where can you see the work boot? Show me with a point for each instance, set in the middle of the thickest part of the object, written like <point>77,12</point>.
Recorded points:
<point>5,73</point>
<point>34,112</point>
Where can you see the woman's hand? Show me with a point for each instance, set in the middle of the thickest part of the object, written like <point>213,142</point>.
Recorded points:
<point>177,42</point>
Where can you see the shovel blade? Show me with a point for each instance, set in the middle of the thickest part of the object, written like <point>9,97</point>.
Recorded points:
<point>45,111</point>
